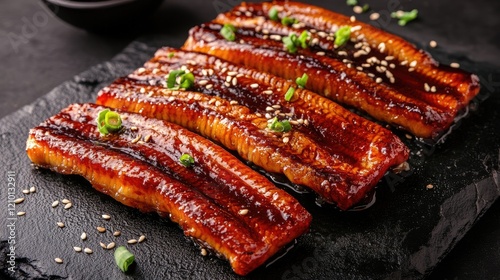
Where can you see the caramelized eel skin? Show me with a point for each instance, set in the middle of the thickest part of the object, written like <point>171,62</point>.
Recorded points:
<point>147,175</point>
<point>403,102</point>
<point>310,157</point>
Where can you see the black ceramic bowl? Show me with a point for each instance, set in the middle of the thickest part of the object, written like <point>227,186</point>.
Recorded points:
<point>103,15</point>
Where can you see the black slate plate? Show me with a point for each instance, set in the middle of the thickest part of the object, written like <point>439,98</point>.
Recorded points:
<point>407,231</point>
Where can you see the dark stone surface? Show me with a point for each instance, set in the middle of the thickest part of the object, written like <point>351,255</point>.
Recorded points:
<point>404,235</point>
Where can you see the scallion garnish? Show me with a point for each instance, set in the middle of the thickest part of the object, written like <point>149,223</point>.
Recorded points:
<point>273,14</point>
<point>292,42</point>
<point>302,81</point>
<point>366,7</point>
<point>123,258</point>
<point>405,17</point>
<point>288,21</point>
<point>171,54</point>
<point>108,121</point>
<point>342,35</point>
<point>352,2</point>
<point>280,126</point>
<point>289,93</point>
<point>180,79</point>
<point>186,159</point>
<point>227,31</point>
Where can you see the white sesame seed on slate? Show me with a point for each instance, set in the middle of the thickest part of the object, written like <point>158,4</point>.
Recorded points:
<point>26,191</point>
<point>203,252</point>
<point>117,233</point>
<point>21,213</point>
<point>374,16</point>
<point>141,238</point>
<point>433,44</point>
<point>32,189</point>
<point>60,224</point>
<point>55,203</point>
<point>88,250</point>
<point>68,206</point>
<point>65,201</point>
<point>132,241</point>
<point>106,216</point>
<point>19,200</point>
<point>58,260</point>
<point>83,236</point>
<point>77,249</point>
<point>101,229</point>
<point>455,65</point>
<point>102,245</point>
<point>110,245</point>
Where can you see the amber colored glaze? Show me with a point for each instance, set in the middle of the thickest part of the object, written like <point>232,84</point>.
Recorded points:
<point>147,175</point>
<point>339,73</point>
<point>335,153</point>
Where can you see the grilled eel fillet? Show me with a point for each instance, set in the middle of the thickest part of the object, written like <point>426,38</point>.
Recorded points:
<point>334,152</point>
<point>220,202</point>
<point>375,72</point>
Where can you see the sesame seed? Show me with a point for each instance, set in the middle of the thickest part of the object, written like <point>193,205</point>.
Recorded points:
<point>268,116</point>
<point>106,216</point>
<point>275,37</point>
<point>269,109</point>
<point>111,245</point>
<point>60,224</point>
<point>32,190</point>
<point>58,260</point>
<point>404,62</point>
<point>147,138</point>
<point>353,29</point>
<point>19,200</point>
<point>359,68</point>
<point>234,82</point>
<point>357,9</point>
<point>381,47</point>
<point>342,53</point>
<point>55,203</point>
<point>408,136</point>
<point>88,250</point>
<point>26,191</point>
<point>389,57</point>
<point>101,229</point>
<point>352,18</point>
<point>141,238</point>
<point>204,72</point>
<point>77,249</point>
<point>383,62</point>
<point>243,212</point>
<point>433,89</point>
<point>210,71</point>
<point>233,102</point>
<point>389,74</point>
<point>68,206</point>
<point>433,44</point>
<point>413,63</point>
<point>83,236</point>
<point>427,87</point>
<point>392,80</point>
<point>286,140</point>
<point>134,128</point>
<point>301,121</point>
<point>217,103</point>
<point>268,92</point>
<point>136,139</point>
<point>132,241</point>
<point>232,73</point>
<point>21,213</point>
<point>366,65</point>
<point>455,65</point>
<point>378,80</point>
<point>228,79</point>
<point>117,233</point>
<point>209,86</point>
<point>203,252</point>
<point>306,122</point>
<point>320,53</point>
<point>276,106</point>
<point>102,245</point>
<point>227,84</point>
<point>203,82</point>
<point>374,16</point>
<point>429,186</point>
<point>371,75</point>
<point>65,201</point>
<point>392,65</point>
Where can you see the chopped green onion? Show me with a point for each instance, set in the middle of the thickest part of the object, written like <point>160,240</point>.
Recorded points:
<point>405,17</point>
<point>289,93</point>
<point>288,21</point>
<point>186,80</point>
<point>302,81</point>
<point>280,126</point>
<point>352,2</point>
<point>366,7</point>
<point>292,42</point>
<point>108,121</point>
<point>171,54</point>
<point>273,14</point>
<point>227,31</point>
<point>342,35</point>
<point>123,258</point>
<point>187,160</point>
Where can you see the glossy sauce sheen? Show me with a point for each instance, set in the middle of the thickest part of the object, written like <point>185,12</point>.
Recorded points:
<point>147,175</point>
<point>346,74</point>
<point>339,155</point>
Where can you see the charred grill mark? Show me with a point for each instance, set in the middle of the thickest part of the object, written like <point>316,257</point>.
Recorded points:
<point>378,73</point>
<point>208,208</point>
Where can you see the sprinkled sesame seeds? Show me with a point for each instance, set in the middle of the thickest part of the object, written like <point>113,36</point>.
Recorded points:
<point>102,245</point>
<point>77,249</point>
<point>203,252</point>
<point>60,224</point>
<point>243,212</point>
<point>344,53</point>
<point>26,191</point>
<point>381,47</point>
<point>55,203</point>
<point>413,63</point>
<point>378,80</point>
<point>433,89</point>
<point>117,233</point>
<point>132,241</point>
<point>83,236</point>
<point>454,65</point>
<point>427,87</point>
<point>209,86</point>
<point>429,186</point>
<point>433,44</point>
<point>268,92</point>
<point>203,82</point>
<point>233,102</point>
<point>19,200</point>
<point>106,216</point>
<point>352,18</point>
<point>88,250</point>
<point>136,139</point>
<point>286,140</point>
<point>58,260</point>
<point>374,16</point>
<point>111,245</point>
<point>32,190</point>
<point>101,229</point>
<point>320,53</point>
<point>147,138</point>
<point>68,206</point>
<point>141,238</point>
<point>65,201</point>
<point>411,69</point>
<point>254,85</point>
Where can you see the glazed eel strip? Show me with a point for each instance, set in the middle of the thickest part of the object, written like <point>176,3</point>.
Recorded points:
<point>376,72</point>
<point>221,203</point>
<point>330,150</point>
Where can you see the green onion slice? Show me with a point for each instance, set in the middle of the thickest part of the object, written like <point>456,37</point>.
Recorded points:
<point>273,14</point>
<point>186,159</point>
<point>302,81</point>
<point>352,2</point>
<point>108,121</point>
<point>288,21</point>
<point>123,258</point>
<point>227,31</point>
<point>280,126</point>
<point>292,42</point>
<point>405,17</point>
<point>171,54</point>
<point>366,7</point>
<point>186,80</point>
<point>289,93</point>
<point>342,35</point>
